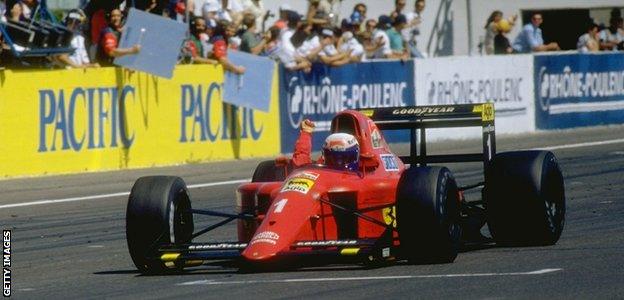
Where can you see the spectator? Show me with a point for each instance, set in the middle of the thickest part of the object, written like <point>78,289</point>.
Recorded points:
<point>79,58</point>
<point>13,11</point>
<point>612,37</point>
<point>501,42</point>
<point>212,10</point>
<point>219,40</point>
<point>109,41</point>
<point>329,55</point>
<point>256,8</point>
<point>530,38</point>
<point>492,29</point>
<point>396,39</point>
<point>380,39</point>
<point>235,9</point>
<point>194,46</point>
<point>287,48</point>
<point>399,5</point>
<point>317,13</point>
<point>306,41</point>
<point>284,12</point>
<point>28,7</point>
<point>150,6</point>
<point>371,25</point>
<point>250,42</point>
<point>588,42</point>
<point>287,53</point>
<point>196,7</point>
<point>358,16</point>
<point>349,44</point>
<point>411,33</point>
<point>234,41</point>
<point>96,11</point>
<point>271,49</point>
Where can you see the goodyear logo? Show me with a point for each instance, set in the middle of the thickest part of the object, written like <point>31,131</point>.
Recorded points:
<point>421,111</point>
<point>204,119</point>
<point>63,125</point>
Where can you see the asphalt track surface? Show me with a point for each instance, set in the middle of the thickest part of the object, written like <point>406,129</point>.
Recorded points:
<point>77,249</point>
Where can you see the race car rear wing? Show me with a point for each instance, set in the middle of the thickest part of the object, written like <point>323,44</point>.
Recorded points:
<point>420,118</point>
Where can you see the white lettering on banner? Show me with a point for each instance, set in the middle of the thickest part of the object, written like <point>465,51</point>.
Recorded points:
<point>574,85</point>
<point>330,99</point>
<point>461,91</point>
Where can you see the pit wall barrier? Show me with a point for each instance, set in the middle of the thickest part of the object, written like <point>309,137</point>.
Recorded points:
<point>575,90</point>
<point>71,121</point>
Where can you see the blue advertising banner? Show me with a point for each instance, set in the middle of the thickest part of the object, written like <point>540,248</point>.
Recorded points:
<point>325,91</point>
<point>253,88</point>
<point>575,90</point>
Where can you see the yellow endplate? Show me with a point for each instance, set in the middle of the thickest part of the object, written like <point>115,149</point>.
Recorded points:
<point>169,256</point>
<point>349,251</point>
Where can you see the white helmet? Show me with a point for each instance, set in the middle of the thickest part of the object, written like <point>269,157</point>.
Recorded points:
<point>341,151</point>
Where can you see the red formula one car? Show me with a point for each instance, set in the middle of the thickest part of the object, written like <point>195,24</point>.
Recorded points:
<point>392,208</point>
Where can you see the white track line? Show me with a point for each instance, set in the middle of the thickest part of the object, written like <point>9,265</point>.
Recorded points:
<point>580,145</point>
<point>330,279</point>
<point>209,184</point>
<point>94,197</point>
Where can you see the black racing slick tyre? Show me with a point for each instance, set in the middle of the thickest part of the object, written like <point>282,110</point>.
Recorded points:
<point>158,213</point>
<point>268,171</point>
<point>428,215</point>
<point>525,198</point>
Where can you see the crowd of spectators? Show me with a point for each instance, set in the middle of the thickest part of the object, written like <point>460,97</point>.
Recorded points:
<point>297,39</point>
<point>530,39</point>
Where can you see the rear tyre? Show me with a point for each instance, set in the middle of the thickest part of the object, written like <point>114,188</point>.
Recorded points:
<point>268,171</point>
<point>525,198</point>
<point>158,213</point>
<point>428,215</point>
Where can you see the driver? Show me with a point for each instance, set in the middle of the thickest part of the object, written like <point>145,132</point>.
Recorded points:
<point>340,151</point>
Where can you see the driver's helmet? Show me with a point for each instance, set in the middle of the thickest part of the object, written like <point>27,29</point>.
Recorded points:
<point>341,151</point>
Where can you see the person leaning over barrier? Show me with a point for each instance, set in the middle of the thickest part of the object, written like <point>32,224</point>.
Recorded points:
<point>109,49</point>
<point>194,47</point>
<point>530,38</point>
<point>612,37</point>
<point>329,55</point>
<point>397,43</point>
<point>219,40</point>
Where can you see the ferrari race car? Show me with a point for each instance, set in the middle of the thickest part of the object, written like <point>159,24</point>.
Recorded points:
<point>392,208</point>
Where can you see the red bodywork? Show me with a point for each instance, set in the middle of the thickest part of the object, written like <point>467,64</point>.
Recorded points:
<point>291,211</point>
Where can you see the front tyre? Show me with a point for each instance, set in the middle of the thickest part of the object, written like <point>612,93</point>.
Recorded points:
<point>158,213</point>
<point>428,215</point>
